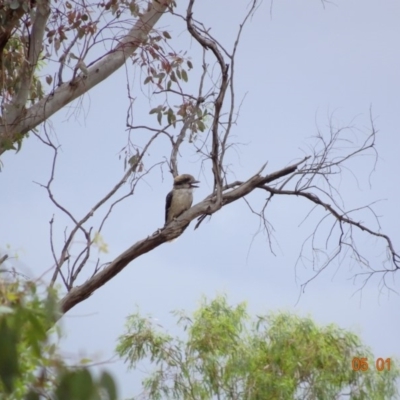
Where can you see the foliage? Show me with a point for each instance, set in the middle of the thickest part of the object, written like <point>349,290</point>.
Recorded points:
<point>30,365</point>
<point>68,38</point>
<point>13,56</point>
<point>229,356</point>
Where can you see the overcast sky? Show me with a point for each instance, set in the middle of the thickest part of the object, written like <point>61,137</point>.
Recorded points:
<point>295,68</point>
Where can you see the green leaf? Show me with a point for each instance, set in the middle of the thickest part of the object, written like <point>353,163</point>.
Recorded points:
<point>184,75</point>
<point>36,333</point>
<point>32,396</point>
<point>8,144</point>
<point>75,385</point>
<point>201,126</point>
<point>171,116</point>
<point>9,366</point>
<point>154,110</point>
<point>107,382</point>
<point>85,361</point>
<point>134,8</point>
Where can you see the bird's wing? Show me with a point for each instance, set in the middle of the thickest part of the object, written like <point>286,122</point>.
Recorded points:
<point>168,201</point>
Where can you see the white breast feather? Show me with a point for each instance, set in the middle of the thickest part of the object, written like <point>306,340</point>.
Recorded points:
<point>182,200</point>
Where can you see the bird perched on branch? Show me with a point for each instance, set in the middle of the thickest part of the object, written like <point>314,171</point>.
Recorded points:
<point>180,198</point>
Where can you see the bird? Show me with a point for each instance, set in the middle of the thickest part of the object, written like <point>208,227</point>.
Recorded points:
<point>180,198</point>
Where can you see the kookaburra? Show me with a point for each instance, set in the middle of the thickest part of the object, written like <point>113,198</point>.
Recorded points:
<point>180,198</point>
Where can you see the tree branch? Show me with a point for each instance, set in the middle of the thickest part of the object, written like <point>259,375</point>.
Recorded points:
<point>172,231</point>
<point>69,91</point>
<point>28,68</point>
<point>217,167</point>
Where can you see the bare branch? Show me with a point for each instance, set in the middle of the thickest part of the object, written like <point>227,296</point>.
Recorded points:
<point>217,167</point>
<point>341,218</point>
<point>3,258</point>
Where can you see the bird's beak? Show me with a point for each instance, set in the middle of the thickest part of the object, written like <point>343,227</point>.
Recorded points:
<point>192,184</point>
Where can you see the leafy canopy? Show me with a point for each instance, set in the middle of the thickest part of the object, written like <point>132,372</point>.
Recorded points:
<point>30,366</point>
<point>228,355</point>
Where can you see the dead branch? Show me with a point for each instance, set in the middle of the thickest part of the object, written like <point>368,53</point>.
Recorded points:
<point>206,43</point>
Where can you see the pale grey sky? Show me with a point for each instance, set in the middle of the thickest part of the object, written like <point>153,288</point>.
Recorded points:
<point>295,68</point>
